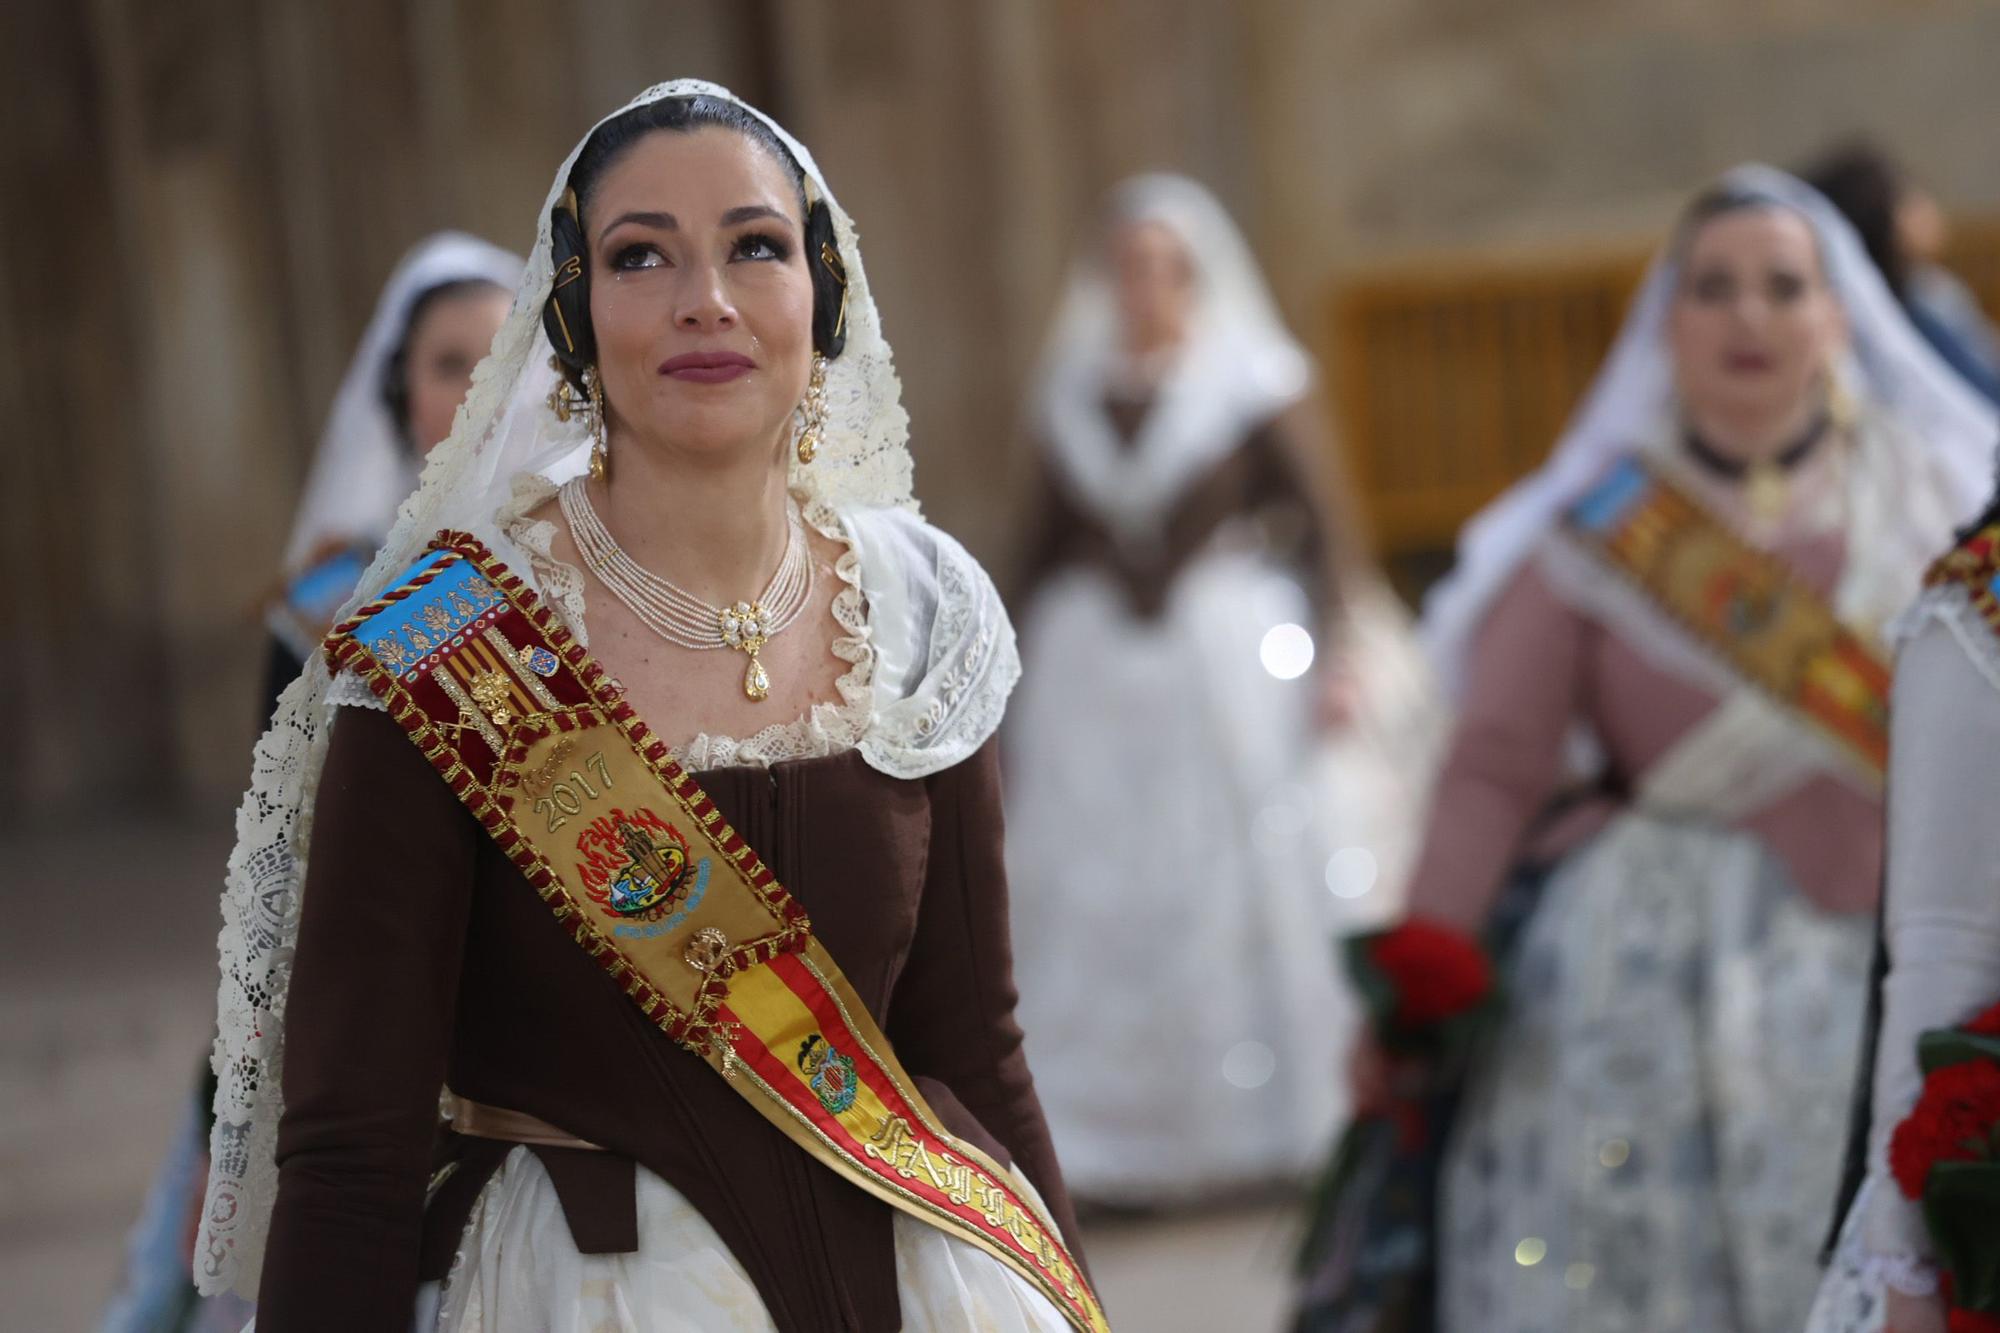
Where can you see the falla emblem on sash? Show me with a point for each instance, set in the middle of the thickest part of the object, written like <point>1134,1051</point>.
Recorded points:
<point>538,660</point>
<point>829,1072</point>
<point>1741,603</point>
<point>637,867</point>
<point>653,875</point>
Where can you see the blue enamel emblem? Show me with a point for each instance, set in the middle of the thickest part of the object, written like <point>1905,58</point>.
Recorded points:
<point>431,618</point>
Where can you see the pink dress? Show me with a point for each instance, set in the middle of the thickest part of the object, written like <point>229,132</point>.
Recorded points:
<point>1653,1143</point>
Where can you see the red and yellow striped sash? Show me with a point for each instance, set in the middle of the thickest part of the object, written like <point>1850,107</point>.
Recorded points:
<point>639,865</point>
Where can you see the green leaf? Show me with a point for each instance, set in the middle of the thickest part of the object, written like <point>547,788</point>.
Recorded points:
<point>1948,1046</point>
<point>1962,1212</point>
<point>1377,993</point>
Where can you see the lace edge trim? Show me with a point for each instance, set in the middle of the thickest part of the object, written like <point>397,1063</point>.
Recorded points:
<point>1951,605</point>
<point>825,728</point>
<point>1907,1273</point>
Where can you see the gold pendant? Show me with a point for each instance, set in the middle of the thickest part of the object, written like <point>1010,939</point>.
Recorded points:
<point>1766,490</point>
<point>745,627</point>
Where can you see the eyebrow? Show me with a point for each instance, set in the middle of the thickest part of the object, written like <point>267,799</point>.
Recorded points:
<point>751,212</point>
<point>668,222</point>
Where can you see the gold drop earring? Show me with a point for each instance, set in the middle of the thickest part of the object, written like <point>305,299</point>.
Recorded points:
<point>600,443</point>
<point>566,401</point>
<point>813,410</point>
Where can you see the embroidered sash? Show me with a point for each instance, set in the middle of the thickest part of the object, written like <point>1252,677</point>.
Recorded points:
<point>1973,565</point>
<point>1743,604</point>
<point>640,867</point>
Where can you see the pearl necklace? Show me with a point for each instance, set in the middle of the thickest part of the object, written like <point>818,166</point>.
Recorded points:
<point>677,615</point>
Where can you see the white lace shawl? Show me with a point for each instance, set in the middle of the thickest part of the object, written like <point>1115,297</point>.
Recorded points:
<point>1240,368</point>
<point>937,695</point>
<point>930,651</point>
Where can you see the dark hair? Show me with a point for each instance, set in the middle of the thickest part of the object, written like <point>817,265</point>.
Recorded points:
<point>566,314</point>
<point>1861,181</point>
<point>396,369</point>
<point>1720,201</point>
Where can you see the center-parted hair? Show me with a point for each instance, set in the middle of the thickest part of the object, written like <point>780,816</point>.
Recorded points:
<point>566,313</point>
<point>395,385</point>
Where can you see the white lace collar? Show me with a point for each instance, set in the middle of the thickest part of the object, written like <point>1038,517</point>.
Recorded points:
<point>826,728</point>
<point>931,652</point>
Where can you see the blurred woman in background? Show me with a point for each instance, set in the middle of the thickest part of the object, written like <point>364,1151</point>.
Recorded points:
<point>1941,924</point>
<point>432,324</point>
<point>1683,606</point>
<point>1197,622</point>
<point>1904,232</point>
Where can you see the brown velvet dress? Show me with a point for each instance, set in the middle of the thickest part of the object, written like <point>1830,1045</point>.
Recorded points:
<point>1260,478</point>
<point>425,959</point>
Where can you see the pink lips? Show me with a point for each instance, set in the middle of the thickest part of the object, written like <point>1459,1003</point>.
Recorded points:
<point>1747,363</point>
<point>707,367</point>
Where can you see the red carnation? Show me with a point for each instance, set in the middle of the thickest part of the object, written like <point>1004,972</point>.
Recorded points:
<point>1436,971</point>
<point>1954,1120</point>
<point>1987,1024</point>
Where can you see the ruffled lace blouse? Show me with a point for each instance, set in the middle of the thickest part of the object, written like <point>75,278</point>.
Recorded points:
<point>826,728</point>
<point>930,652</point>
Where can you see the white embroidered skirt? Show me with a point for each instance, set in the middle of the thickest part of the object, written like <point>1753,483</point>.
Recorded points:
<point>1655,1144</point>
<point>1173,932</point>
<point>518,1271</point>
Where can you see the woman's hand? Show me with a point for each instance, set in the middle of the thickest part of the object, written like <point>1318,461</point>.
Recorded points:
<point>1336,702</point>
<point>1378,1081</point>
<point>1368,1079</point>
<point>1903,1313</point>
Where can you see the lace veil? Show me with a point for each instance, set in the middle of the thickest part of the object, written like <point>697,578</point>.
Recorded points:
<point>1927,446</point>
<point>363,467</point>
<point>1240,366</point>
<point>504,430</point>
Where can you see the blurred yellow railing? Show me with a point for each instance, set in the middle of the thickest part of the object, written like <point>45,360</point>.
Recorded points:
<point>1974,255</point>
<point>1451,377</point>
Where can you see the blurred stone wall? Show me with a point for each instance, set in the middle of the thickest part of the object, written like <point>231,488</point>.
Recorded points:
<point>203,199</point>
<point>202,202</point>
<point>1389,127</point>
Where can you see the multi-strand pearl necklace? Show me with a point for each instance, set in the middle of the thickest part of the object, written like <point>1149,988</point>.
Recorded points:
<point>677,615</point>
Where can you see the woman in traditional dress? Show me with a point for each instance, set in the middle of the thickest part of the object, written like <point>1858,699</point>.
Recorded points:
<point>433,322</point>
<point>1683,605</point>
<point>1167,843</point>
<point>658,814</point>
<point>1941,920</point>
